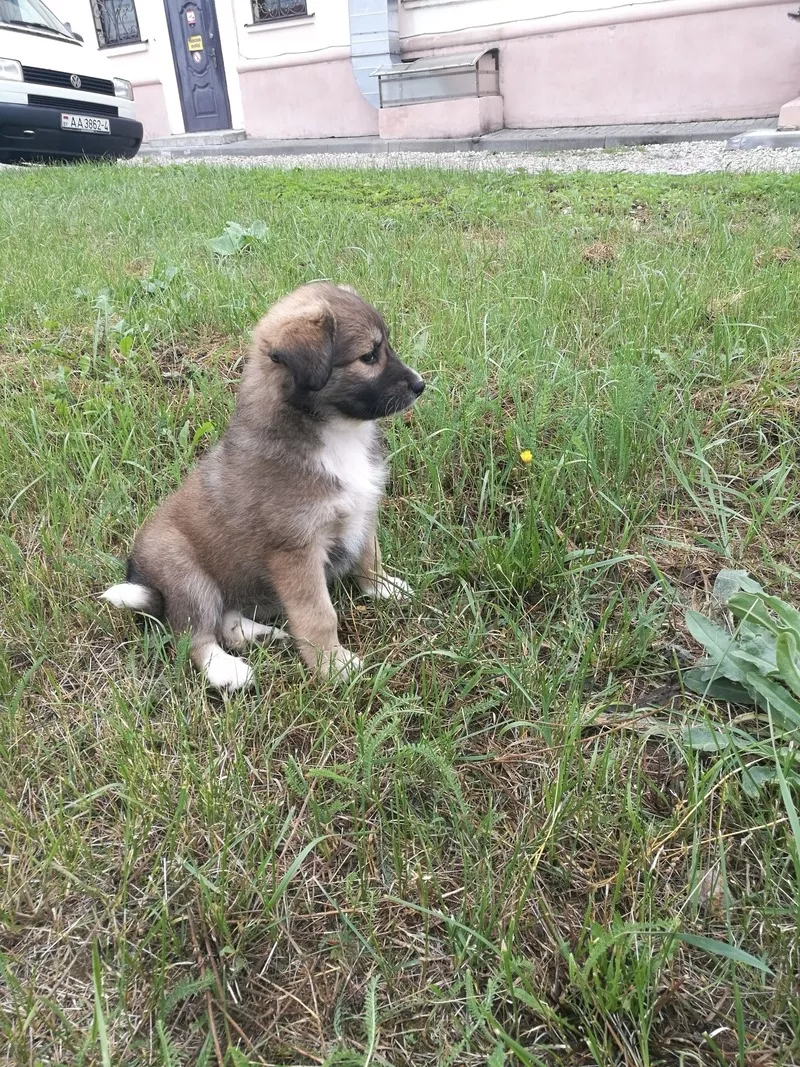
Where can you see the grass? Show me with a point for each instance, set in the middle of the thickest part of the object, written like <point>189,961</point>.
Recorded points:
<point>490,848</point>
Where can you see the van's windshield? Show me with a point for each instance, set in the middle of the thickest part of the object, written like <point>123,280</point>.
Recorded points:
<point>32,15</point>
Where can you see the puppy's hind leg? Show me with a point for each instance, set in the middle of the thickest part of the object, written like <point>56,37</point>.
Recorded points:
<point>193,603</point>
<point>373,581</point>
<point>238,631</point>
<point>222,670</point>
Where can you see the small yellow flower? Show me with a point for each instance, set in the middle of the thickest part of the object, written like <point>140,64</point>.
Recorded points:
<point>526,455</point>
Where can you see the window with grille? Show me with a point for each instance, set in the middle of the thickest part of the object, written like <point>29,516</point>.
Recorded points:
<point>272,10</point>
<point>115,22</point>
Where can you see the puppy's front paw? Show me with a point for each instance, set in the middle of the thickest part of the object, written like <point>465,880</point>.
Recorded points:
<point>339,664</point>
<point>387,587</point>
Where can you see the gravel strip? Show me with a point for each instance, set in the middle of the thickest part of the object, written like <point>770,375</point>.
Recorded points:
<point>689,157</point>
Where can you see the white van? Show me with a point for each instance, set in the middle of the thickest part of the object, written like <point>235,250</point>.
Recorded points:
<point>58,99</point>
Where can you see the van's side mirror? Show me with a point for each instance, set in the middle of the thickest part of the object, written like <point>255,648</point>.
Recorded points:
<point>77,36</point>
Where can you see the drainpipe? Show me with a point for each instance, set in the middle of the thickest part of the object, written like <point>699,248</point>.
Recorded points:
<point>374,42</point>
<point>789,117</point>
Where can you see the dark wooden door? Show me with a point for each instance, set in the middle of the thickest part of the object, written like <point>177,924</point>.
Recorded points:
<point>198,63</point>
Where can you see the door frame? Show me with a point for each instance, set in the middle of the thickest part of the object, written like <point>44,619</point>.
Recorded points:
<point>221,67</point>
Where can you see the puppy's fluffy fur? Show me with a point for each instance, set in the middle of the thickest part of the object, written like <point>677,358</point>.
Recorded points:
<point>287,499</point>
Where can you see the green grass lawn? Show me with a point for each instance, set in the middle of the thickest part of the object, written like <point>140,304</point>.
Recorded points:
<point>488,847</point>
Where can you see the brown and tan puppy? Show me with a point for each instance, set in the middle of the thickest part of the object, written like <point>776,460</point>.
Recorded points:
<point>287,499</point>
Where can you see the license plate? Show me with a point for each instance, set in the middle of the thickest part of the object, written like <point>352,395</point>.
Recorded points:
<point>85,123</point>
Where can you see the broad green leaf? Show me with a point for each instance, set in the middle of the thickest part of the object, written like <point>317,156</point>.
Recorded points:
<point>716,688</point>
<point>787,654</point>
<point>718,643</point>
<point>712,739</point>
<point>224,245</point>
<point>779,700</point>
<point>706,667</point>
<point>723,948</point>
<point>788,615</point>
<point>756,646</point>
<point>704,739</point>
<point>753,778</point>
<point>238,238</point>
<point>750,606</point>
<point>728,582</point>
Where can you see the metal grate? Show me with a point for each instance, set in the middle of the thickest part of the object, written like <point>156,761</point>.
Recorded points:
<point>115,22</point>
<point>60,78</point>
<point>80,106</point>
<point>272,10</point>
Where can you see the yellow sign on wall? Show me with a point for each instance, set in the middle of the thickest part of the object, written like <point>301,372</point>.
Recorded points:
<point>195,44</point>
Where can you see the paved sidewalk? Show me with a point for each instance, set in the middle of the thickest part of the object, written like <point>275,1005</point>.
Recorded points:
<point>555,139</point>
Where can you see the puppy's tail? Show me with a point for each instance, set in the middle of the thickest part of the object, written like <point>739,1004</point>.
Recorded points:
<point>135,595</point>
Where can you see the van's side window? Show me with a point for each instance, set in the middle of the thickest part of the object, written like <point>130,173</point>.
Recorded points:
<point>115,22</point>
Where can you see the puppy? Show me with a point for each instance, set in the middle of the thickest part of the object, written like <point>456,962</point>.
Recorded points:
<point>287,499</point>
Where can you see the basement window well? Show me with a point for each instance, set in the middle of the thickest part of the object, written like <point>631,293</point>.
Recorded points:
<point>439,78</point>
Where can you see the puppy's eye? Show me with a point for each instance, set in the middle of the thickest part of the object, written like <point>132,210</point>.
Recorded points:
<point>373,356</point>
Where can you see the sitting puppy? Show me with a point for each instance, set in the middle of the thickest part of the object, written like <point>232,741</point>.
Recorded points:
<point>287,499</point>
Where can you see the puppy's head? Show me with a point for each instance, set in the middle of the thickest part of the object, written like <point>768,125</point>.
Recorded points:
<point>333,351</point>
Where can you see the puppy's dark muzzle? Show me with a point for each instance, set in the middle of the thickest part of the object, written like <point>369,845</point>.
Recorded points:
<point>417,386</point>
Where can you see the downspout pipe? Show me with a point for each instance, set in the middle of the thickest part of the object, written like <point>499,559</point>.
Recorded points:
<point>374,42</point>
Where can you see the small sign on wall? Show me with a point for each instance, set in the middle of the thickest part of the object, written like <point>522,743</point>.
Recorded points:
<point>191,18</point>
<point>195,43</point>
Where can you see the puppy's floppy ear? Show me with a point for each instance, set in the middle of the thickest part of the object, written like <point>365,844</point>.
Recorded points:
<point>300,335</point>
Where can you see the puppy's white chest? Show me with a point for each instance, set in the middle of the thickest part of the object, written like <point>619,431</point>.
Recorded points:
<point>349,456</point>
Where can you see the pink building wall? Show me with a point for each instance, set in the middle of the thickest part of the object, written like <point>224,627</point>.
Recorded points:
<point>310,100</point>
<point>682,60</point>
<point>462,117</point>
<point>151,110</point>
<point>740,63</point>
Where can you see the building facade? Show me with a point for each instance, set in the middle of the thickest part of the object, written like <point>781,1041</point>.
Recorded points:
<point>304,68</point>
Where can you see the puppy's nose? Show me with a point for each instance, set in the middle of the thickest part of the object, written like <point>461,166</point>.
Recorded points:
<point>417,386</point>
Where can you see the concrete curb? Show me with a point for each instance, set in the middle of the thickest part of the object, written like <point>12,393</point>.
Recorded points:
<point>559,139</point>
<point>765,138</point>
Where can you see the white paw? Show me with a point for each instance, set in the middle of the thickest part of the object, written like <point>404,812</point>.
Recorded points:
<point>238,631</point>
<point>227,672</point>
<point>387,587</point>
<point>257,631</point>
<point>339,664</point>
